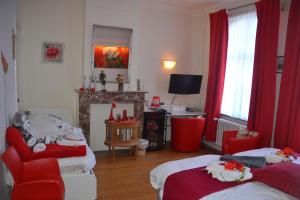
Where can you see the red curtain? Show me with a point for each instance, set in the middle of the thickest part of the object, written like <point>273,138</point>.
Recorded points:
<point>217,66</point>
<point>262,102</point>
<point>287,131</point>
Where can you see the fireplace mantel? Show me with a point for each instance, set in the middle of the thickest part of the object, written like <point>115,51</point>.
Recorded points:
<point>86,98</point>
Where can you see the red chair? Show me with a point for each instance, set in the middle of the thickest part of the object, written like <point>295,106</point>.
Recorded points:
<point>231,144</point>
<point>34,180</point>
<point>186,133</point>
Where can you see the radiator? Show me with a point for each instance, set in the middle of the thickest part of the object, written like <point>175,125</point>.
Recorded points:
<point>224,124</point>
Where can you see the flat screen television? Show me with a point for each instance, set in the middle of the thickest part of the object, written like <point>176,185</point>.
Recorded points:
<point>185,84</point>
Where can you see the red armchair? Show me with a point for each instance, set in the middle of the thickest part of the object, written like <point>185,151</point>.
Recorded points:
<point>231,144</point>
<point>186,133</point>
<point>34,180</point>
<point>15,139</point>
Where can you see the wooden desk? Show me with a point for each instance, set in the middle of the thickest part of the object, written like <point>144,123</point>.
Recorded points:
<point>122,134</point>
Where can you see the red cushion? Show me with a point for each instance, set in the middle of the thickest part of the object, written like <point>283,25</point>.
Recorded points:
<point>59,151</point>
<point>14,138</point>
<point>284,176</point>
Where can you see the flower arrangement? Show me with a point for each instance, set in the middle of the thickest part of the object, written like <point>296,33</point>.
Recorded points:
<point>229,171</point>
<point>286,154</point>
<point>233,165</point>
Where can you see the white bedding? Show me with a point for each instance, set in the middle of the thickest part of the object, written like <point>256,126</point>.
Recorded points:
<point>78,164</point>
<point>258,191</point>
<point>159,174</point>
<point>42,125</point>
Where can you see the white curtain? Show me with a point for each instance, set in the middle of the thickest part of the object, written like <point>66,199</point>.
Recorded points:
<point>239,67</point>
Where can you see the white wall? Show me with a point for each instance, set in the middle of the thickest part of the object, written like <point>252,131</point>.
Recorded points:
<point>164,35</point>
<point>8,100</point>
<point>160,31</point>
<point>50,85</point>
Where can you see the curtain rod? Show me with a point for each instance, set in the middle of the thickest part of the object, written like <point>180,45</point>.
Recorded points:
<point>250,4</point>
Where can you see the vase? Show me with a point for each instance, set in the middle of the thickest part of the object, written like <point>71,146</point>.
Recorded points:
<point>111,116</point>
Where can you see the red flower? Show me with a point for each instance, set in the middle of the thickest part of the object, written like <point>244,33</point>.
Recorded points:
<point>287,151</point>
<point>52,52</point>
<point>113,104</point>
<point>233,165</point>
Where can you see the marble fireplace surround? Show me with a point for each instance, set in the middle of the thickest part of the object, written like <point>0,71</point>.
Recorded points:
<point>86,98</point>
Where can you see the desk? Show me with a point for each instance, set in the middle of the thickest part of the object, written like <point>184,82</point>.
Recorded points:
<point>184,114</point>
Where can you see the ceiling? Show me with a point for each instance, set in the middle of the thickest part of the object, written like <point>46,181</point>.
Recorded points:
<point>198,3</point>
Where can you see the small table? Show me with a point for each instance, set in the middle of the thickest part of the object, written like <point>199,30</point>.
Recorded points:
<point>122,134</point>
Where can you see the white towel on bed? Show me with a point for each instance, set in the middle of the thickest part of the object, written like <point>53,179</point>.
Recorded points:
<point>39,147</point>
<point>66,142</point>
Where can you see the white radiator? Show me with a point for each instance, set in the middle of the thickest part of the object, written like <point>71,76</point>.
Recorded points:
<point>224,124</point>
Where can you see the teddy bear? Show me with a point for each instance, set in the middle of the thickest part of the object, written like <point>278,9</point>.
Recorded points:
<point>21,120</point>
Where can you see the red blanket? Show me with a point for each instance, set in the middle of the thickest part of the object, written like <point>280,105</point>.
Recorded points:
<point>193,184</point>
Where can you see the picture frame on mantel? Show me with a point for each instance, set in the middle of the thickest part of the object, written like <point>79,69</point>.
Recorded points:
<point>53,52</point>
<point>111,53</point>
<point>280,61</point>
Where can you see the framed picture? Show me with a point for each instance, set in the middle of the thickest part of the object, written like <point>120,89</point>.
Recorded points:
<point>112,60</point>
<point>111,53</point>
<point>280,61</point>
<point>52,52</point>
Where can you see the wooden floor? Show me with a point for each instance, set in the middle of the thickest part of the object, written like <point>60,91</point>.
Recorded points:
<point>128,178</point>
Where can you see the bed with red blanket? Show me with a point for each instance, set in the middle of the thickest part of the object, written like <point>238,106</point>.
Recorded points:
<point>186,180</point>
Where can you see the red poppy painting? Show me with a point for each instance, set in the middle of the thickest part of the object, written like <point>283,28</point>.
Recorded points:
<point>53,52</point>
<point>111,57</point>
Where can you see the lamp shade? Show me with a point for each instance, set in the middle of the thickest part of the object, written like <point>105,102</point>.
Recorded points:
<point>169,64</point>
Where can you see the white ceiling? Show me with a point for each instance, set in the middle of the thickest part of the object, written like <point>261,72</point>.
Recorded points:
<point>198,3</point>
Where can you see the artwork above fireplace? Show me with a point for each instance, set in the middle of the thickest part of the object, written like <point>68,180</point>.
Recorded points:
<point>111,52</point>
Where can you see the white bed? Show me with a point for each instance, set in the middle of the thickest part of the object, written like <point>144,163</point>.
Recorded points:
<point>159,175</point>
<point>76,171</point>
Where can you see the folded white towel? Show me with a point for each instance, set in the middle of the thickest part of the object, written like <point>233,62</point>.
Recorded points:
<point>219,172</point>
<point>50,139</point>
<point>39,147</point>
<point>66,142</point>
<point>31,142</point>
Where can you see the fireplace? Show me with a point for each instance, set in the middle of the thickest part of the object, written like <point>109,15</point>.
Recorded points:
<point>87,98</point>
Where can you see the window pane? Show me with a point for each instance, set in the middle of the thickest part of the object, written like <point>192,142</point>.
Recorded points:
<point>239,67</point>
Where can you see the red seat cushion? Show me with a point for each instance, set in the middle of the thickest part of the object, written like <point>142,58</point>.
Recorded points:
<point>59,151</point>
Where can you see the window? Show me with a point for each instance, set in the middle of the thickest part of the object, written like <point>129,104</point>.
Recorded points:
<point>239,66</point>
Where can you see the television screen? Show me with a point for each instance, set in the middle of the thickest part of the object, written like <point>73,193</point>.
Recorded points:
<point>185,84</point>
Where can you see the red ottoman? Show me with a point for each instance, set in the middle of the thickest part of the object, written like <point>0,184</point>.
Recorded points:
<point>186,133</point>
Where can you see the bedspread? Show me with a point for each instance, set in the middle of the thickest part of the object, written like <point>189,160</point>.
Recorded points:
<point>193,184</point>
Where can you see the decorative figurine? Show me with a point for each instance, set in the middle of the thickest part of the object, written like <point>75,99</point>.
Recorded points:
<point>102,79</point>
<point>120,81</point>
<point>155,103</point>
